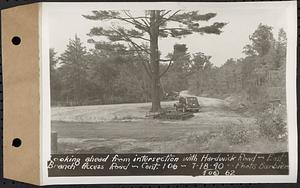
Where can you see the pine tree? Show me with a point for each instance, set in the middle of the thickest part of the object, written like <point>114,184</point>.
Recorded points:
<point>55,82</point>
<point>148,28</point>
<point>73,67</point>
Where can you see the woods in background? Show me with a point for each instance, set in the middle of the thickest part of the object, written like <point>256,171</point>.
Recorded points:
<point>257,79</point>
<point>105,75</point>
<point>111,73</point>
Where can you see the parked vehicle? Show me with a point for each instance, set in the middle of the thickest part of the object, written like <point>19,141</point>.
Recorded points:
<point>172,95</point>
<point>187,104</point>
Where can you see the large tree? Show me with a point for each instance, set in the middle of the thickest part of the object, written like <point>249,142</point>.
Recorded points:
<point>73,65</point>
<point>262,40</point>
<point>142,33</point>
<point>55,86</point>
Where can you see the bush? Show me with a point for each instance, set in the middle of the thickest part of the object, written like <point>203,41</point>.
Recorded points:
<point>272,123</point>
<point>200,137</point>
<point>219,144</point>
<point>237,133</point>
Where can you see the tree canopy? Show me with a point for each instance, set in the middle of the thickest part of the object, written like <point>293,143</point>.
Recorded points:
<point>141,33</point>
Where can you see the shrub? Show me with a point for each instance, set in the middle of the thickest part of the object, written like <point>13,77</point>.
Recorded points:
<point>272,123</point>
<point>200,137</point>
<point>219,144</point>
<point>237,133</point>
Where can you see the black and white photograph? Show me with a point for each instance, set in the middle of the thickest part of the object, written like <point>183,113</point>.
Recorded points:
<point>183,79</point>
<point>160,81</point>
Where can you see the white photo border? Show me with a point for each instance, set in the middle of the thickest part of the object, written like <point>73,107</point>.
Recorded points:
<point>45,117</point>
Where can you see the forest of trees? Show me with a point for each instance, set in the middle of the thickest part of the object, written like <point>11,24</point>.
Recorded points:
<point>111,73</point>
<point>258,78</point>
<point>81,77</point>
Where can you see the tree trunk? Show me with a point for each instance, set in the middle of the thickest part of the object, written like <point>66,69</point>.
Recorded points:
<point>154,60</point>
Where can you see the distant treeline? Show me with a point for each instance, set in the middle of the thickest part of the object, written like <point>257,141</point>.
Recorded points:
<point>108,74</point>
<point>258,78</point>
<point>81,77</point>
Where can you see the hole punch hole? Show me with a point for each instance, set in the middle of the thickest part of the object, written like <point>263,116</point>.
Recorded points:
<point>16,40</point>
<point>17,142</point>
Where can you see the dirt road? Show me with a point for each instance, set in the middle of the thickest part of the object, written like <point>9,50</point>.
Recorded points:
<point>134,111</point>
<point>123,128</point>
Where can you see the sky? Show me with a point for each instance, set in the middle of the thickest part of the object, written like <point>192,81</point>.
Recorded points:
<point>66,20</point>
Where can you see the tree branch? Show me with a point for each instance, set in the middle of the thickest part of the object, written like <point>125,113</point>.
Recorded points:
<point>165,71</point>
<point>106,15</point>
<point>138,37</point>
<point>136,46</point>
<point>139,46</point>
<point>165,13</point>
<point>165,60</point>
<point>163,20</point>
<point>122,36</point>
<point>146,63</point>
<point>149,73</point>
<point>145,27</point>
<point>146,23</point>
<point>172,28</point>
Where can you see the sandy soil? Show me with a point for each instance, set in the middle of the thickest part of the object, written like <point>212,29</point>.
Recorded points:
<point>123,128</point>
<point>100,113</point>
